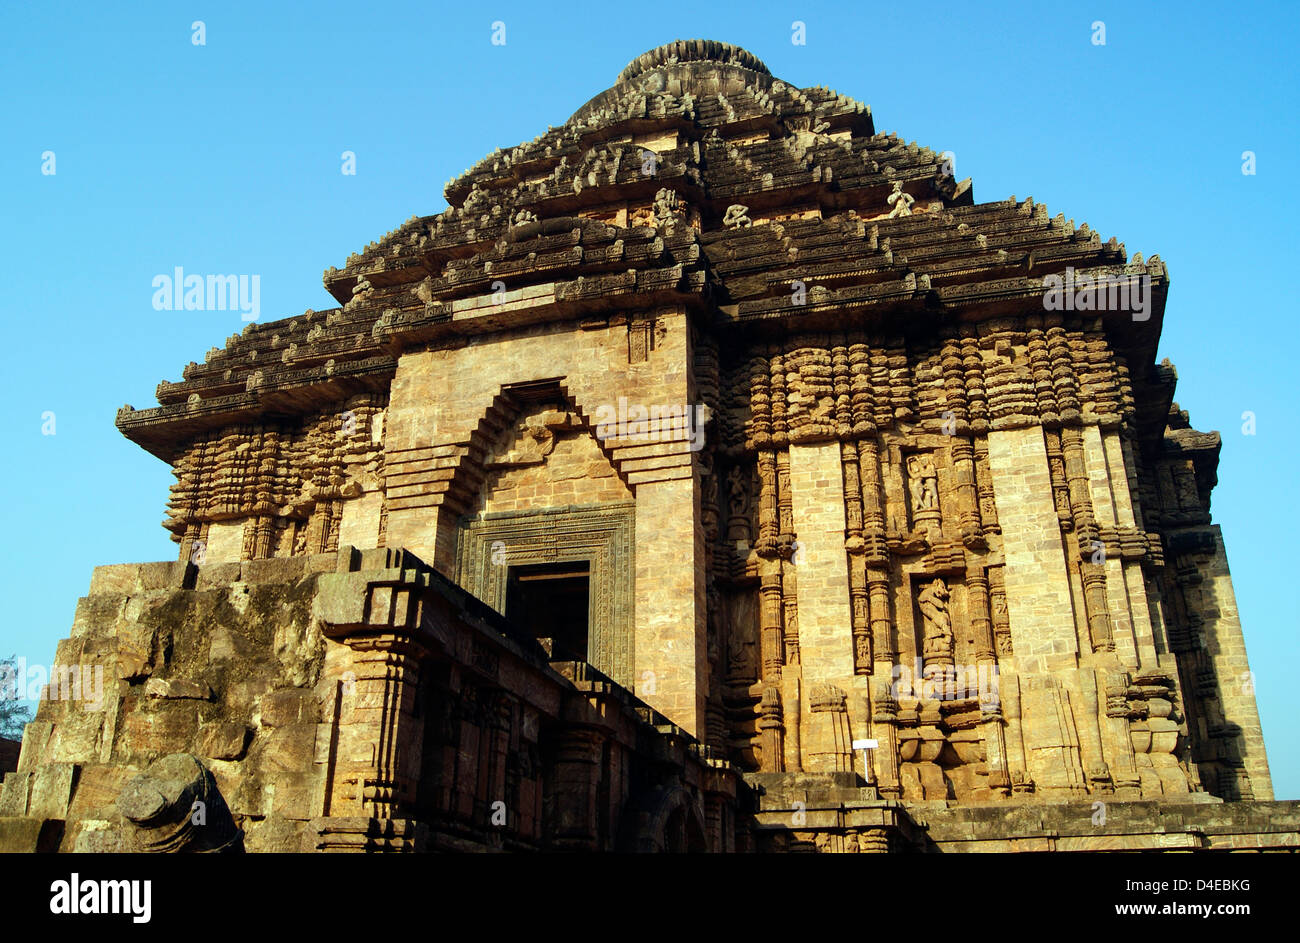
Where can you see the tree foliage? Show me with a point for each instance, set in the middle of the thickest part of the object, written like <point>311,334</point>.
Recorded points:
<point>14,714</point>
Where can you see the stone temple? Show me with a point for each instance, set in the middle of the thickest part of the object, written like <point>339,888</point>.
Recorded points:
<point>714,474</point>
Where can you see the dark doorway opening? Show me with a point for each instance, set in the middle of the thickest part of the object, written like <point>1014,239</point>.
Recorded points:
<point>551,601</point>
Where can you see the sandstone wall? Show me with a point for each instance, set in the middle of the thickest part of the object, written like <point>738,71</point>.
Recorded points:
<point>350,701</point>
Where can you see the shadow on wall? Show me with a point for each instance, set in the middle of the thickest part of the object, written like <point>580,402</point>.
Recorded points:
<point>9,750</point>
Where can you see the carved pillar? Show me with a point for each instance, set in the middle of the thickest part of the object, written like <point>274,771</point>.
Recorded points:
<point>875,554</point>
<point>383,713</point>
<point>785,513</point>
<point>738,507</point>
<point>768,524</point>
<point>995,748</point>
<point>790,612</point>
<point>263,534</point>
<point>1092,573</point>
<point>1076,475</point>
<point>967,498</point>
<point>576,778</point>
<point>852,495</point>
<point>860,603</point>
<point>792,719</point>
<point>714,829</point>
<point>884,724</point>
<point>771,643</point>
<point>873,509</point>
<point>378,734</point>
<point>998,611</point>
<point>1123,765</point>
<point>882,619</point>
<point>1094,597</point>
<point>193,541</point>
<point>977,604</point>
<point>1059,481</point>
<point>770,730</point>
<point>984,485</point>
<point>1094,763</point>
<point>1017,763</point>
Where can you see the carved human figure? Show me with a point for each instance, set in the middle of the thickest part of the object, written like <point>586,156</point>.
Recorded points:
<point>666,206</point>
<point>900,201</point>
<point>862,650</point>
<point>922,483</point>
<point>933,603</point>
<point>737,216</point>
<point>914,488</point>
<point>738,522</point>
<point>708,482</point>
<point>737,491</point>
<point>740,649</point>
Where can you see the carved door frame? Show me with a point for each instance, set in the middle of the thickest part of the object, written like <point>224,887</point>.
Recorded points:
<point>601,535</point>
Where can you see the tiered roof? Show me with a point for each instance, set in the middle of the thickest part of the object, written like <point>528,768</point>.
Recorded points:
<point>697,178</point>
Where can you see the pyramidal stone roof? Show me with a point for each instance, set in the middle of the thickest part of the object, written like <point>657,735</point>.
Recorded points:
<point>698,178</point>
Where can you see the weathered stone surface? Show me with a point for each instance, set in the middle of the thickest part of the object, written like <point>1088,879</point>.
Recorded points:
<point>20,833</point>
<point>52,790</point>
<point>174,805</point>
<point>177,689</point>
<point>223,741</point>
<point>293,706</point>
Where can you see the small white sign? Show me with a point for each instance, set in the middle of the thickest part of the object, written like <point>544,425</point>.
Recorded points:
<point>866,744</point>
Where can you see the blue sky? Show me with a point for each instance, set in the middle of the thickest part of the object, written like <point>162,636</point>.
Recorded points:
<point>226,157</point>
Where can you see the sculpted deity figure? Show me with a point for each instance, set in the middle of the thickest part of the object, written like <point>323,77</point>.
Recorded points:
<point>900,201</point>
<point>667,207</point>
<point>933,602</point>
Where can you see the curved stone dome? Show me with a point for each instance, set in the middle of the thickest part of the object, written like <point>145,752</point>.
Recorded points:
<point>692,50</point>
<point>697,67</point>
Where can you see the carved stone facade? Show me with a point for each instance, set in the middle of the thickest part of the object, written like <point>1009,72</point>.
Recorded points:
<point>828,462</point>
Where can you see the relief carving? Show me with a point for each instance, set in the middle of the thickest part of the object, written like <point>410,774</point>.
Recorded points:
<point>533,439</point>
<point>738,507</point>
<point>933,603</point>
<point>923,489</point>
